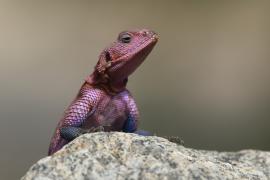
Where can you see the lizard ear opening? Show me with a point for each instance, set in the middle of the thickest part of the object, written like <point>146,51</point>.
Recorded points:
<point>108,56</point>
<point>104,62</point>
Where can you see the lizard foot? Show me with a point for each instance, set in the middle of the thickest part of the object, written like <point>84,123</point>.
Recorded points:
<point>70,133</point>
<point>143,133</point>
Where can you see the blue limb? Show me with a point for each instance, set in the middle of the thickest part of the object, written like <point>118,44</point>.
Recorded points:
<point>69,133</point>
<point>130,125</point>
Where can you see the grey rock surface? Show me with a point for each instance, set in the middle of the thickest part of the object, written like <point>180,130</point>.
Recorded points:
<point>119,155</point>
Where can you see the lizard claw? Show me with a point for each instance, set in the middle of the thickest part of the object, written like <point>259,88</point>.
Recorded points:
<point>174,139</point>
<point>96,129</point>
<point>143,133</point>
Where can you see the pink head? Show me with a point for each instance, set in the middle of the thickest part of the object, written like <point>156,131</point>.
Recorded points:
<point>123,56</point>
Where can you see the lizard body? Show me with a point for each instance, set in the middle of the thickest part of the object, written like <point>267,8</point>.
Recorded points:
<point>103,99</point>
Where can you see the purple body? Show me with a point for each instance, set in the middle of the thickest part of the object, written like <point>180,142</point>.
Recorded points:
<point>103,99</point>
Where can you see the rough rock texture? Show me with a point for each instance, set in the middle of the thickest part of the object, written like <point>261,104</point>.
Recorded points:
<point>129,156</point>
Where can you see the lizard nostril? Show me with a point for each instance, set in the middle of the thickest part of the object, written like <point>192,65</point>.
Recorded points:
<point>144,33</point>
<point>107,56</point>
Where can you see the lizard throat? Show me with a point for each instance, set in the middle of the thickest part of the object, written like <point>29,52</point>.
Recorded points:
<point>103,81</point>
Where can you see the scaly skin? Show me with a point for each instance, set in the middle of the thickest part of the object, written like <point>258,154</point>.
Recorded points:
<point>103,100</point>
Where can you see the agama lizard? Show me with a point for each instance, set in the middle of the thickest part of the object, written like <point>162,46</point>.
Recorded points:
<point>103,100</point>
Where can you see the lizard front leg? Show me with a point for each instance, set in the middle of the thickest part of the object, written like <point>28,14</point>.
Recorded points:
<point>131,123</point>
<point>76,114</point>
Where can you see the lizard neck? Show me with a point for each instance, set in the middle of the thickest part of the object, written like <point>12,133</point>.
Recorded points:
<point>103,81</point>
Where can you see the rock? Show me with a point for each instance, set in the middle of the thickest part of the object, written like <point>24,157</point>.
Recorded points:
<point>119,155</point>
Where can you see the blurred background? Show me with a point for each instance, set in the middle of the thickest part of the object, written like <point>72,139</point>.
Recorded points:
<point>206,81</point>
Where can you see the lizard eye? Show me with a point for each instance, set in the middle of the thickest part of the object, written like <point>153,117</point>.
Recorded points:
<point>125,38</point>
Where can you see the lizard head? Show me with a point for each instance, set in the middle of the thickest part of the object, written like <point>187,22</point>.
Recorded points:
<point>122,57</point>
